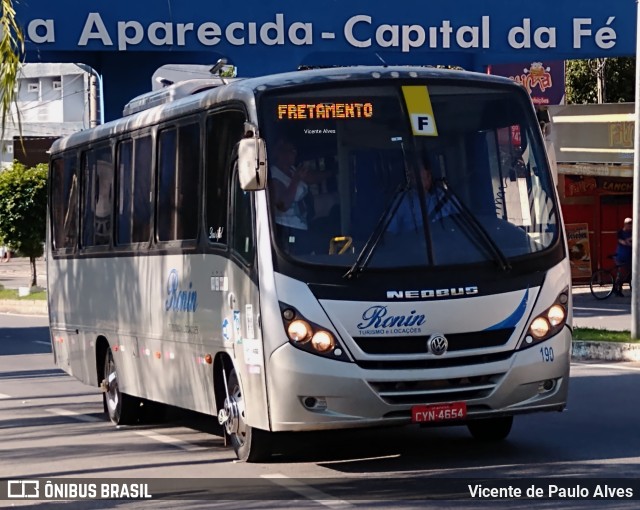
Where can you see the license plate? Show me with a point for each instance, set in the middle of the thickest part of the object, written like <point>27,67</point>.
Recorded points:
<point>438,412</point>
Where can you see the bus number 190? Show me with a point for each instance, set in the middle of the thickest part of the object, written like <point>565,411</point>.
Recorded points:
<point>547,354</point>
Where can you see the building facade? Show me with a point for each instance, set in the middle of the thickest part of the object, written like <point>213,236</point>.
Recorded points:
<point>53,100</point>
<point>594,153</point>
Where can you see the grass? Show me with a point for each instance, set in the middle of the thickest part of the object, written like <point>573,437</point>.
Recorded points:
<point>13,294</point>
<point>602,335</point>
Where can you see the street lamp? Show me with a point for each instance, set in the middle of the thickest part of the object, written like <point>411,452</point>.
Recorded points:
<point>96,97</point>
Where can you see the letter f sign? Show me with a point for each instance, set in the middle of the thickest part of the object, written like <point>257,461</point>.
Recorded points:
<point>423,124</point>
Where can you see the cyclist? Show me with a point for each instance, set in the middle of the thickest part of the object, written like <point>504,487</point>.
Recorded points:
<point>623,256</point>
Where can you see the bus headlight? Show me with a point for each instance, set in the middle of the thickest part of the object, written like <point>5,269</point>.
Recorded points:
<point>323,341</point>
<point>299,331</point>
<point>557,315</point>
<point>549,322</point>
<point>311,337</point>
<point>539,327</point>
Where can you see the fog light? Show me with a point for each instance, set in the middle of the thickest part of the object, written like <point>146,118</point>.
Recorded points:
<point>546,386</point>
<point>314,403</point>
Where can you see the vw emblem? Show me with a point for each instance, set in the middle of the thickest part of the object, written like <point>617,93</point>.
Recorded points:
<point>438,344</point>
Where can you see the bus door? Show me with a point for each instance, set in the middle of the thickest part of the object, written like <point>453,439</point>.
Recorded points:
<point>242,306</point>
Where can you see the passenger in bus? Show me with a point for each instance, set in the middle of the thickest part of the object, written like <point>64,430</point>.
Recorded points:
<point>408,216</point>
<point>290,194</point>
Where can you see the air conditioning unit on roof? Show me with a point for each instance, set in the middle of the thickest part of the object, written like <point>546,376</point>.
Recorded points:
<point>171,93</point>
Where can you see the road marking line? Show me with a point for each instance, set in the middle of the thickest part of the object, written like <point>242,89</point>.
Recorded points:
<point>42,342</point>
<point>73,414</point>
<point>307,491</point>
<point>161,438</point>
<point>3,396</point>
<point>173,441</point>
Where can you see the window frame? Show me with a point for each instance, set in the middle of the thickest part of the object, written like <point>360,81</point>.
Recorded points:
<point>177,124</point>
<point>133,137</point>
<point>82,154</point>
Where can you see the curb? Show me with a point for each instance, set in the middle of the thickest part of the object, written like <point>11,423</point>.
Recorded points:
<point>580,350</point>
<point>606,351</point>
<point>24,306</point>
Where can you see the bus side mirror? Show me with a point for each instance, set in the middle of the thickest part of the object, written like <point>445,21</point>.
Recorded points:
<point>252,164</point>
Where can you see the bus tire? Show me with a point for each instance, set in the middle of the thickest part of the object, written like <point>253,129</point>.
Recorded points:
<point>491,429</point>
<point>122,409</point>
<point>249,443</point>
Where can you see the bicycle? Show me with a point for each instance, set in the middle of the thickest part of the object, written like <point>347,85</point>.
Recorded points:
<point>603,280</point>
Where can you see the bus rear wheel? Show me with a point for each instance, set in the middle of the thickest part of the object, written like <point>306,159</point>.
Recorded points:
<point>121,408</point>
<point>491,429</point>
<point>250,444</point>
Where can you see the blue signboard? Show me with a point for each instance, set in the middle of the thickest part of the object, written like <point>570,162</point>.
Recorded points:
<point>135,38</point>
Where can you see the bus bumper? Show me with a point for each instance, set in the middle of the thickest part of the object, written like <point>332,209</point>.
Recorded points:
<point>348,396</point>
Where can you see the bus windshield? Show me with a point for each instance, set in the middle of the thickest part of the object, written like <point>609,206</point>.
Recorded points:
<point>388,176</point>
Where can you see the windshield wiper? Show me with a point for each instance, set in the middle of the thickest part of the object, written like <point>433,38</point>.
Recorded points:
<point>374,239</point>
<point>472,222</point>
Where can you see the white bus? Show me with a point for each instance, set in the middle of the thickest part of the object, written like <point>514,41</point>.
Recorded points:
<point>260,250</point>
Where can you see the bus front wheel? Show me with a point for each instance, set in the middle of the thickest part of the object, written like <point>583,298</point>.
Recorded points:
<point>250,444</point>
<point>491,429</point>
<point>120,407</point>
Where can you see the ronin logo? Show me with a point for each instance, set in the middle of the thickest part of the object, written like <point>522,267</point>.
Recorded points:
<point>179,300</point>
<point>377,321</point>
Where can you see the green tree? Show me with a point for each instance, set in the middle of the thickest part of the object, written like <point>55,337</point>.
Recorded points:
<point>11,52</point>
<point>618,80</point>
<point>23,210</point>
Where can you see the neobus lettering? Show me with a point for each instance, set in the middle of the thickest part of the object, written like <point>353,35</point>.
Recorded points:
<point>376,317</point>
<point>180,300</point>
<point>430,293</point>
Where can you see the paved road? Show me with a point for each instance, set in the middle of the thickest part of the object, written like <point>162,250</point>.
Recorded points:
<point>613,314</point>
<point>51,427</point>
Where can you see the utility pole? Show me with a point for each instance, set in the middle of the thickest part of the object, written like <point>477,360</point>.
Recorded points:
<point>635,247</point>
<point>93,100</point>
<point>601,87</point>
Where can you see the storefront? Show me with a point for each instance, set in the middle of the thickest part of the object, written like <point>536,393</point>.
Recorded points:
<point>594,153</point>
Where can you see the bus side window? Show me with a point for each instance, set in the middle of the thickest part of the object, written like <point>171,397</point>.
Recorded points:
<point>134,173</point>
<point>124,176</point>
<point>64,203</point>
<point>178,174</point>
<point>224,129</point>
<point>97,175</point>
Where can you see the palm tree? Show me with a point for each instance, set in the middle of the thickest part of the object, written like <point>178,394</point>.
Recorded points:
<point>11,52</point>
